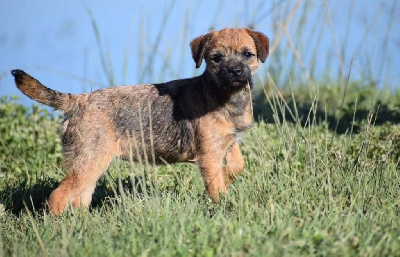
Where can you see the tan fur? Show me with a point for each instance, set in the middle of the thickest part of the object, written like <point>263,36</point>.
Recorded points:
<point>199,119</point>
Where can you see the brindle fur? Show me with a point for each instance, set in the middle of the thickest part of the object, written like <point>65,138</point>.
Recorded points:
<point>198,119</point>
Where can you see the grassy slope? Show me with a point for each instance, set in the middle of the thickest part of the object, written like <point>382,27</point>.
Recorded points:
<point>305,191</point>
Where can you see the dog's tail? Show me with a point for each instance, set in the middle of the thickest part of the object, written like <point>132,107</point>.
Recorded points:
<point>37,91</point>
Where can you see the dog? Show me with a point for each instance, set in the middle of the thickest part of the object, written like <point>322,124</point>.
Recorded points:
<point>198,119</point>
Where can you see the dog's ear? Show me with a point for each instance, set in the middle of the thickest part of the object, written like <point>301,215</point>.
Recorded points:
<point>198,47</point>
<point>262,44</point>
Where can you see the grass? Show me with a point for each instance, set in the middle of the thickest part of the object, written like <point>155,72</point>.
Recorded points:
<point>322,165</point>
<point>305,191</point>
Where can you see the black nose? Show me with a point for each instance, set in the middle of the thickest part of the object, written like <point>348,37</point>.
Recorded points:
<point>17,73</point>
<point>236,71</point>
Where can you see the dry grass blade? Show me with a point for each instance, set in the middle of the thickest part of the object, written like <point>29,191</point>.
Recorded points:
<point>34,227</point>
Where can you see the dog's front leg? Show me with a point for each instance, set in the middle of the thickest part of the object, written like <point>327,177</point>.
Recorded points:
<point>213,174</point>
<point>234,162</point>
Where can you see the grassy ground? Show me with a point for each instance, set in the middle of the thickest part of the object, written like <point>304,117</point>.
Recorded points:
<point>305,191</point>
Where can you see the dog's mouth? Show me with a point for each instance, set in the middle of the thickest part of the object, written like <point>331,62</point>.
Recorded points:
<point>234,77</point>
<point>237,84</point>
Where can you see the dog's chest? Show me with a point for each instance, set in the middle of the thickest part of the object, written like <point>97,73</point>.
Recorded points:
<point>239,113</point>
<point>232,124</point>
<point>241,124</point>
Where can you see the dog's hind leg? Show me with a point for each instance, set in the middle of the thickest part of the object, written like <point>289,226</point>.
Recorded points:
<point>89,148</point>
<point>79,184</point>
<point>85,198</point>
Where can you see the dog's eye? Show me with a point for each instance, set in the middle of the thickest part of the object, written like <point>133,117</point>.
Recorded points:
<point>216,58</point>
<point>248,55</point>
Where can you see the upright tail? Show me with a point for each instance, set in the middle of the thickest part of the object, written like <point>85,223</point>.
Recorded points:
<point>37,91</point>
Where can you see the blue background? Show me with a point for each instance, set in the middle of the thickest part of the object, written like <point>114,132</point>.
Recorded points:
<point>55,42</point>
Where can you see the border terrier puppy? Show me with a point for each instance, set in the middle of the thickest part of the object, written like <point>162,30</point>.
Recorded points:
<point>198,119</point>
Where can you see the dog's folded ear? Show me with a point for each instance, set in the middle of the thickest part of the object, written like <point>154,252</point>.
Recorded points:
<point>198,47</point>
<point>262,44</point>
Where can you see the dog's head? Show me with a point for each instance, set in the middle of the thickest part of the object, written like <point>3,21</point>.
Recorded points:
<point>231,55</point>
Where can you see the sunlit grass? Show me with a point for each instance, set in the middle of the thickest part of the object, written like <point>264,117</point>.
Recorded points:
<point>305,191</point>
<point>322,165</point>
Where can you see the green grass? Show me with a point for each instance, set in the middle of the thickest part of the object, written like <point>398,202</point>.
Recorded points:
<point>322,167</point>
<point>306,191</point>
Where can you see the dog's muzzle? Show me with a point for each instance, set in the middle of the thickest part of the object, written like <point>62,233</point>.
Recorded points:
<point>234,75</point>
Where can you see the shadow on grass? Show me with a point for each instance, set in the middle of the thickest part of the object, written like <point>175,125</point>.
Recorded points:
<point>348,120</point>
<point>35,197</point>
